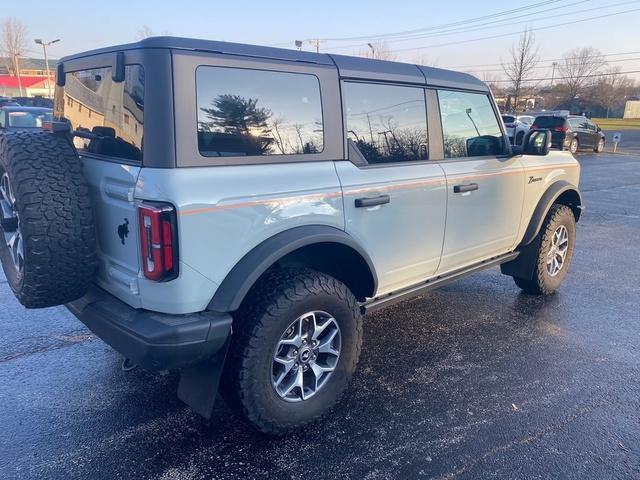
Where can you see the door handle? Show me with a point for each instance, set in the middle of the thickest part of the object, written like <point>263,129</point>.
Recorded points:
<point>470,187</point>
<point>372,201</point>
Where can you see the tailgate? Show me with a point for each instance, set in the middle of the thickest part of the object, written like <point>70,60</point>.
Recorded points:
<point>111,187</point>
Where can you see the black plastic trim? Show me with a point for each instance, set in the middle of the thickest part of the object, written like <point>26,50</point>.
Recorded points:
<point>237,283</point>
<point>548,198</point>
<point>155,341</point>
<point>413,291</point>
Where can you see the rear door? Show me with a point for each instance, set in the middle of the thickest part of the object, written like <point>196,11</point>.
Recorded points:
<point>394,196</point>
<point>485,187</point>
<point>580,127</point>
<point>112,115</point>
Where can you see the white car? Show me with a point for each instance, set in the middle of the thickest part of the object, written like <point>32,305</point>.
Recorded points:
<point>517,127</point>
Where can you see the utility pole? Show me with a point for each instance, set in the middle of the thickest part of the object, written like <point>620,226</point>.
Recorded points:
<point>39,41</point>
<point>553,71</point>
<point>16,66</point>
<point>316,42</point>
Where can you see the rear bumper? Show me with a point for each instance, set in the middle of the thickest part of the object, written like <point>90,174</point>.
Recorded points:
<point>154,341</point>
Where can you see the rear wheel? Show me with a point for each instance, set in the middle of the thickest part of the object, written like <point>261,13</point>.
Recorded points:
<point>295,347</point>
<point>599,146</point>
<point>573,146</point>
<point>557,242</point>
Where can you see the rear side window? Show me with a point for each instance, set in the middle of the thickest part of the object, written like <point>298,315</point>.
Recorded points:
<point>508,119</point>
<point>469,125</point>
<point>549,122</point>
<point>244,112</point>
<point>388,123</point>
<point>113,112</point>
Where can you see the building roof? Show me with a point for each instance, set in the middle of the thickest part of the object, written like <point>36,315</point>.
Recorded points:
<point>9,81</point>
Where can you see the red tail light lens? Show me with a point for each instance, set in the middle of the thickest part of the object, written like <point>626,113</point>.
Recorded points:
<point>533,127</point>
<point>158,241</point>
<point>561,129</point>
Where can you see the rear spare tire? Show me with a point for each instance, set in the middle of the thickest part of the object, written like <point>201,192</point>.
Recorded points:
<point>47,232</point>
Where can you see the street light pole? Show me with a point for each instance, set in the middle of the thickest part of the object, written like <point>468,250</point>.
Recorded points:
<point>46,59</point>
<point>553,71</point>
<point>373,50</point>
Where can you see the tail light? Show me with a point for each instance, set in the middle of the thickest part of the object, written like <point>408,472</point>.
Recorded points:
<point>509,125</point>
<point>158,241</point>
<point>533,127</point>
<point>561,129</point>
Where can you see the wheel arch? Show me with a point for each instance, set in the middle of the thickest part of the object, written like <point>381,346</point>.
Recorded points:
<point>321,247</point>
<point>560,192</point>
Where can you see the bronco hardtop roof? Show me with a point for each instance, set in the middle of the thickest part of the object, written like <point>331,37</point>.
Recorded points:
<point>348,67</point>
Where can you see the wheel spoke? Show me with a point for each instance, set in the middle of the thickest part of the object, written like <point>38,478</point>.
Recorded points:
<point>327,345</point>
<point>319,328</point>
<point>295,338</point>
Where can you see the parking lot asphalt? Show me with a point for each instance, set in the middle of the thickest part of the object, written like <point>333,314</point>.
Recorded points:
<point>474,380</point>
<point>629,140</point>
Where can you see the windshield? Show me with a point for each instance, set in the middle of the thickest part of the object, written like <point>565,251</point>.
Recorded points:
<point>549,122</point>
<point>28,119</point>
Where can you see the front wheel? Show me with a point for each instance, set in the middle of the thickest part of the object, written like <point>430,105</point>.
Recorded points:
<point>553,257</point>
<point>295,347</point>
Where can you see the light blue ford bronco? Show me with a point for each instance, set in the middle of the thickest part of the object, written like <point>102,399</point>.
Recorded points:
<point>232,211</point>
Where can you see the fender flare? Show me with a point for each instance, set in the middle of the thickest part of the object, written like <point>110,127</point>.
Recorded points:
<point>544,204</point>
<point>249,268</point>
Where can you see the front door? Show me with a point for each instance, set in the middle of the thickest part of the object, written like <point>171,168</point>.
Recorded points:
<point>394,197</point>
<point>485,188</point>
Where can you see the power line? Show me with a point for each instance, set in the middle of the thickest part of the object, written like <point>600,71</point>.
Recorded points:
<point>607,74</point>
<point>550,66</point>
<point>442,26</point>
<point>517,33</point>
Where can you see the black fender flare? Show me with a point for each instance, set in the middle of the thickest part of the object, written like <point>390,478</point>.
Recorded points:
<point>249,268</point>
<point>548,198</point>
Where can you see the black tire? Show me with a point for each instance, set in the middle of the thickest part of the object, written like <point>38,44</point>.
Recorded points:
<point>599,148</point>
<point>519,138</point>
<point>543,283</point>
<point>574,145</point>
<point>55,219</point>
<point>272,305</point>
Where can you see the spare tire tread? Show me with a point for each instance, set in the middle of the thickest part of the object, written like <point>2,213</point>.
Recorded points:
<point>56,218</point>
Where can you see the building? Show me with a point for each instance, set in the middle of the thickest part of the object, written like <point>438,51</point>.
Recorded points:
<point>632,109</point>
<point>33,78</point>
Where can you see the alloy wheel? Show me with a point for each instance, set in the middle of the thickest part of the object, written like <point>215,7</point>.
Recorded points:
<point>10,223</point>
<point>306,356</point>
<point>558,251</point>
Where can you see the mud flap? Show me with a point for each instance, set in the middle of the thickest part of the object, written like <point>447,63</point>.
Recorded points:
<point>198,385</point>
<point>524,264</point>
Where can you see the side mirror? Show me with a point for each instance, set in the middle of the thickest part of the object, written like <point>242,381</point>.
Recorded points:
<point>536,142</point>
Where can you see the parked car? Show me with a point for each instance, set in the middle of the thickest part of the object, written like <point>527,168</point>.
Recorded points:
<point>15,118</point>
<point>285,194</point>
<point>34,101</point>
<point>572,132</point>
<point>516,128</point>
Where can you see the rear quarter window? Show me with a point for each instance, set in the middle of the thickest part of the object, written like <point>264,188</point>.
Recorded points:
<point>245,112</point>
<point>113,112</point>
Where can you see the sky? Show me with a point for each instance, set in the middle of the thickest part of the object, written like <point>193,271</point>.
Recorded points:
<point>612,28</point>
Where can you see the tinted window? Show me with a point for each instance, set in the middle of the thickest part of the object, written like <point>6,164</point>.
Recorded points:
<point>27,119</point>
<point>549,122</point>
<point>388,123</point>
<point>113,112</point>
<point>508,119</point>
<point>256,112</point>
<point>469,125</point>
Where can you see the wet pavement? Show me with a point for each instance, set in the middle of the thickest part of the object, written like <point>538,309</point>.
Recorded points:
<point>474,380</point>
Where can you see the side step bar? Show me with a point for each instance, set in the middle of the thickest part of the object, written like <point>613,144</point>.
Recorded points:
<point>392,298</point>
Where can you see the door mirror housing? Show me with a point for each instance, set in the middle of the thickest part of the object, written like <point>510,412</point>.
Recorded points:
<point>535,142</point>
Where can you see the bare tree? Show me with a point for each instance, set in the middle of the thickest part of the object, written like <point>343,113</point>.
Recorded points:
<point>145,32</point>
<point>13,45</point>
<point>379,50</point>
<point>611,90</point>
<point>578,69</point>
<point>523,58</point>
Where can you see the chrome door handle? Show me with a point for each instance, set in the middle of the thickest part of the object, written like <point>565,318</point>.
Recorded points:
<point>372,201</point>
<point>470,187</point>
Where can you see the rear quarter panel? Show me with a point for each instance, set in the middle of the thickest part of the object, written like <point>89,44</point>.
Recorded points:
<point>224,212</point>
